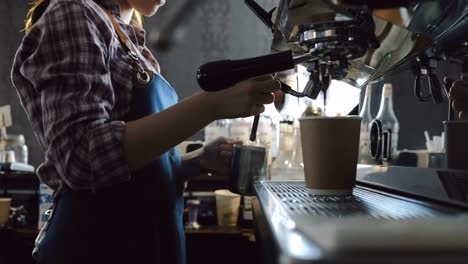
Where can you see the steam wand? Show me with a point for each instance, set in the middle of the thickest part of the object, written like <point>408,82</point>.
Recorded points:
<point>253,132</point>
<point>285,89</point>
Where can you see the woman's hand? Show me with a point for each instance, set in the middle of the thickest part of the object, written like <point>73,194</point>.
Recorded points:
<point>216,157</point>
<point>244,99</point>
<point>459,95</point>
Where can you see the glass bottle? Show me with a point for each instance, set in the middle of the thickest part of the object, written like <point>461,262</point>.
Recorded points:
<point>280,168</point>
<point>291,108</point>
<point>211,132</point>
<point>45,202</point>
<point>239,129</point>
<point>3,137</point>
<point>246,215</point>
<point>296,171</point>
<point>265,135</point>
<point>366,122</point>
<point>192,221</point>
<point>310,109</point>
<point>272,118</point>
<point>22,151</point>
<point>16,143</point>
<point>387,117</point>
<point>218,128</point>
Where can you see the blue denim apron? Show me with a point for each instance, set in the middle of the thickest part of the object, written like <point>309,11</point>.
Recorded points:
<point>135,222</point>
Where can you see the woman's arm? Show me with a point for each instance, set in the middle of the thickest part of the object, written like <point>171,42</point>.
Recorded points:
<point>151,136</point>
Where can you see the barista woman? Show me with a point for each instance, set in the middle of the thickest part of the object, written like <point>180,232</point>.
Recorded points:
<point>108,123</point>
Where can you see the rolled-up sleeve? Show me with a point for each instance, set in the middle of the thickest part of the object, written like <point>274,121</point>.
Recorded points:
<point>74,83</point>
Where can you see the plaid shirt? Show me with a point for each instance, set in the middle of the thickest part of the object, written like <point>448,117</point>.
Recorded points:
<point>75,81</point>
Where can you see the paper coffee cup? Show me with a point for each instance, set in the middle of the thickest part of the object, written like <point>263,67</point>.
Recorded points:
<point>227,207</point>
<point>330,147</point>
<point>5,204</point>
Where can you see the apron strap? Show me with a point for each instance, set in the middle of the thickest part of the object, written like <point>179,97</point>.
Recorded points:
<point>142,75</point>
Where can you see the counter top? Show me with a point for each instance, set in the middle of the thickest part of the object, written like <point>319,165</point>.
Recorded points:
<point>30,233</point>
<point>368,227</point>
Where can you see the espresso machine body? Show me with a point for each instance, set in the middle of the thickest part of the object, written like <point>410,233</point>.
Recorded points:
<point>358,42</point>
<point>361,42</point>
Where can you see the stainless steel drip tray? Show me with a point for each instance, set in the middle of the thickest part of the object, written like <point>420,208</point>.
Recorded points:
<point>310,228</point>
<point>299,200</point>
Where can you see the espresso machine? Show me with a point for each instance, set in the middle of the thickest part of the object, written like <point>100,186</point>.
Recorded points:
<point>351,42</point>
<point>396,214</point>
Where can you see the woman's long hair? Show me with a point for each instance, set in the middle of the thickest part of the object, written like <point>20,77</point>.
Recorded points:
<point>39,6</point>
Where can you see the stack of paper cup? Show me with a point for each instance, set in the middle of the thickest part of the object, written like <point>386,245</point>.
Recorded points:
<point>227,207</point>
